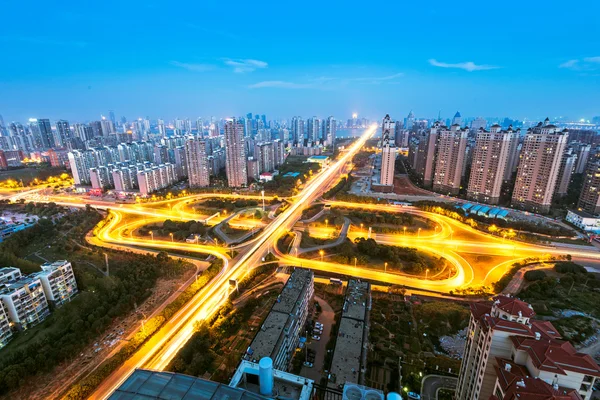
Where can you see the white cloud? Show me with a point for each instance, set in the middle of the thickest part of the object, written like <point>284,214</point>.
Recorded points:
<point>280,84</point>
<point>247,65</point>
<point>193,67</point>
<point>377,80</point>
<point>467,66</point>
<point>584,64</point>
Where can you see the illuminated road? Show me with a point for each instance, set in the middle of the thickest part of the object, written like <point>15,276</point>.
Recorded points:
<point>161,348</point>
<point>455,242</point>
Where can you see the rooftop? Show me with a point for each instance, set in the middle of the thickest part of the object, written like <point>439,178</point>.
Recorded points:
<point>513,306</point>
<point>583,214</point>
<point>355,303</point>
<point>144,384</point>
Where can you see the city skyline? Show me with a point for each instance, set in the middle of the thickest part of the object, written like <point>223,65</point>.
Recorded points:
<point>162,63</point>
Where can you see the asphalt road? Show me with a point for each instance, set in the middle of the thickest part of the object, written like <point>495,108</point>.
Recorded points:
<point>431,384</point>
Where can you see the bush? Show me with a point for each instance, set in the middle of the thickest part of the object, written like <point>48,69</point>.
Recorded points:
<point>569,267</point>
<point>531,276</point>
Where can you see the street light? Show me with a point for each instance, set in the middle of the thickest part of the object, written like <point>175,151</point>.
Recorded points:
<point>326,223</point>
<point>355,260</point>
<point>419,233</point>
<point>152,234</point>
<point>321,252</point>
<point>171,234</point>
<point>384,267</point>
<point>262,192</point>
<point>404,230</point>
<point>426,274</point>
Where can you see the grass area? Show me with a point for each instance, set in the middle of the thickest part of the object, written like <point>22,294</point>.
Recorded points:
<point>311,211</point>
<point>370,254</point>
<point>575,329</point>
<point>410,333</point>
<point>579,291</point>
<point>287,186</point>
<point>74,326</point>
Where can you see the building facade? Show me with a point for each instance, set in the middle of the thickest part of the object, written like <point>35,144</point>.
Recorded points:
<point>196,158</point>
<point>235,154</point>
<point>539,165</point>
<point>388,152</point>
<point>490,159</point>
<point>450,159</point>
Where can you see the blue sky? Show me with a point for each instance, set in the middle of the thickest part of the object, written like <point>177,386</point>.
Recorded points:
<point>78,59</point>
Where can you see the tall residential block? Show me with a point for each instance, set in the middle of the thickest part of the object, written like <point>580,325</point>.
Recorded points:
<point>388,152</point>
<point>567,166</point>
<point>235,154</point>
<point>450,159</point>
<point>490,160</point>
<point>589,199</point>
<point>196,161</point>
<point>539,165</point>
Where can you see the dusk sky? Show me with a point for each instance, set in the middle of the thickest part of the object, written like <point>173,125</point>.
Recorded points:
<point>523,59</point>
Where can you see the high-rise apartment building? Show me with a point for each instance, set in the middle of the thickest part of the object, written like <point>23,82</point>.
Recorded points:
<point>264,153</point>
<point>42,133</point>
<point>58,281</point>
<point>235,161</point>
<point>312,129</point>
<point>567,166</point>
<point>25,302</point>
<point>297,129</point>
<point>490,159</point>
<point>450,154</point>
<point>509,355</point>
<point>583,152</point>
<point>388,152</point>
<point>278,153</point>
<point>589,199</point>
<point>330,132</point>
<point>196,162</point>
<point>539,165</point>
<point>63,133</point>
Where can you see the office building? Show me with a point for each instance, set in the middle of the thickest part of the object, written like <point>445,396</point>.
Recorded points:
<point>196,162</point>
<point>58,282</point>
<point>567,166</point>
<point>235,155</point>
<point>508,351</point>
<point>25,302</point>
<point>457,119</point>
<point>490,159</point>
<point>449,159</point>
<point>280,332</point>
<point>350,354</point>
<point>388,153</point>
<point>330,132</point>
<point>539,164</point>
<point>589,199</point>
<point>41,131</point>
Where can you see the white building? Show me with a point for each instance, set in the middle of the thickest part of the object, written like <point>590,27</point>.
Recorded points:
<point>5,328</point>
<point>584,221</point>
<point>388,152</point>
<point>58,281</point>
<point>25,302</point>
<point>9,274</point>
<point>505,332</point>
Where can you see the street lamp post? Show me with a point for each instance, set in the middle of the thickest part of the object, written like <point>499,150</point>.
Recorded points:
<point>427,274</point>
<point>321,253</point>
<point>326,223</point>
<point>419,233</point>
<point>152,234</point>
<point>171,234</point>
<point>404,230</point>
<point>262,192</point>
<point>355,260</point>
<point>385,267</point>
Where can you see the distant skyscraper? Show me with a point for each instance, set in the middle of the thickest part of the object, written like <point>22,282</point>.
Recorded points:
<point>42,133</point>
<point>161,128</point>
<point>297,130</point>
<point>450,159</point>
<point>539,165</point>
<point>478,123</point>
<point>111,117</point>
<point>197,162</point>
<point>312,129</point>
<point>457,120</point>
<point>409,121</point>
<point>388,152</point>
<point>235,158</point>
<point>63,133</point>
<point>490,159</point>
<point>330,132</point>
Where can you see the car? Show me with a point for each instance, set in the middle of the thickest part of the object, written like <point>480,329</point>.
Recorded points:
<point>318,324</point>
<point>317,332</point>
<point>308,364</point>
<point>414,396</point>
<point>315,337</point>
